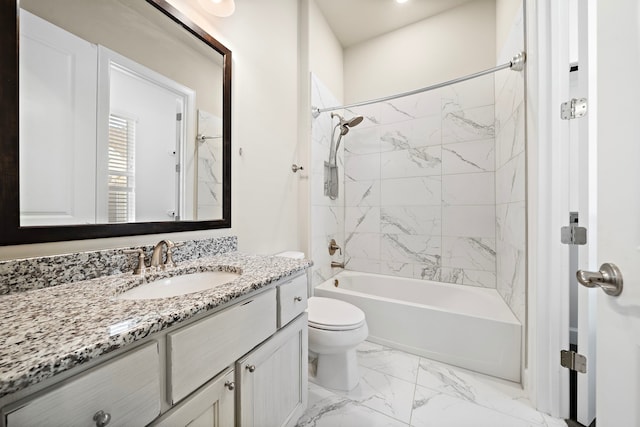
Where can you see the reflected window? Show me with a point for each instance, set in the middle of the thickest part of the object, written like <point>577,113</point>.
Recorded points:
<point>122,139</point>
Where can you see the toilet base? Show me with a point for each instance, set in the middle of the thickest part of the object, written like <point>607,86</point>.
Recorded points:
<point>337,371</point>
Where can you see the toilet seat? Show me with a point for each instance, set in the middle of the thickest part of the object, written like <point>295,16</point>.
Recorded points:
<point>334,315</point>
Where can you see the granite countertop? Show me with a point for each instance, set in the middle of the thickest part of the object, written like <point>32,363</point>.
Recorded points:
<point>48,331</point>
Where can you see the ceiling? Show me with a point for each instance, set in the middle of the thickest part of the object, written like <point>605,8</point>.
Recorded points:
<point>354,21</point>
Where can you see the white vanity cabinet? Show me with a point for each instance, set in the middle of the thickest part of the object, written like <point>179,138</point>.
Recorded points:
<point>198,352</point>
<point>121,392</point>
<point>213,405</point>
<point>244,365</point>
<point>272,379</point>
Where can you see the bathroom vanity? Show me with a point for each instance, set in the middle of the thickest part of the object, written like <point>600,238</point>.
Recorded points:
<point>232,355</point>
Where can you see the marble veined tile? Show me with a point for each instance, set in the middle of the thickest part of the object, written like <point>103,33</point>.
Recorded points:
<point>468,125</point>
<point>410,134</point>
<point>397,269</point>
<point>422,220</point>
<point>363,245</point>
<point>418,105</point>
<point>465,276</point>
<point>327,409</point>
<point>510,137</point>
<point>388,360</point>
<point>361,141</point>
<point>362,168</point>
<point>415,191</point>
<point>469,189</point>
<point>470,93</point>
<point>384,393</point>
<point>469,221</point>
<point>362,193</point>
<point>364,265</point>
<point>422,161</point>
<point>510,181</point>
<point>437,409</point>
<point>414,249</point>
<point>469,157</point>
<point>506,398</point>
<point>511,223</point>
<point>364,219</point>
<point>469,253</point>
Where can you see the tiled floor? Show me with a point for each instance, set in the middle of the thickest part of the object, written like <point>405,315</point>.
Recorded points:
<point>400,389</point>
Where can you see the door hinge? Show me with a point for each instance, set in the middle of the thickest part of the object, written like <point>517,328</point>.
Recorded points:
<point>177,168</point>
<point>573,361</point>
<point>178,117</point>
<point>573,109</point>
<point>572,234</point>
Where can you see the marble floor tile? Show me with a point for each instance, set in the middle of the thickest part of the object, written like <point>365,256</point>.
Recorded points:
<point>389,361</point>
<point>383,393</point>
<point>327,409</point>
<point>437,409</point>
<point>401,389</point>
<point>462,385</point>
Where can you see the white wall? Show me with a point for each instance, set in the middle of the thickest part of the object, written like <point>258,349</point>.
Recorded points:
<point>263,37</point>
<point>449,45</point>
<point>325,52</point>
<point>506,13</point>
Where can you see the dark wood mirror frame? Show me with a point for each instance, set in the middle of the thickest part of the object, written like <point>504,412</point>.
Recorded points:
<point>11,233</point>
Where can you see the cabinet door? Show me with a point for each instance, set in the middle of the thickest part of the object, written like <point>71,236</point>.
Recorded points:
<point>126,390</point>
<point>273,379</point>
<point>211,406</point>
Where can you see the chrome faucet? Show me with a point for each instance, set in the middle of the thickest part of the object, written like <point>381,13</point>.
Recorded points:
<point>156,256</point>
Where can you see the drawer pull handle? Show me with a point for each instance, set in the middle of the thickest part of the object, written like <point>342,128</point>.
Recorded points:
<point>101,418</point>
<point>251,368</point>
<point>230,385</point>
<point>297,299</point>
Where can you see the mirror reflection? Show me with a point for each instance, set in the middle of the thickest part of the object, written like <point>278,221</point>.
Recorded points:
<point>120,116</point>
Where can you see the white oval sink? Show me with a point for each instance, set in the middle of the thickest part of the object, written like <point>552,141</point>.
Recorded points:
<point>180,285</point>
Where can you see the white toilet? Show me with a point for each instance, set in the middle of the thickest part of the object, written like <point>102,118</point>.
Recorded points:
<point>336,328</point>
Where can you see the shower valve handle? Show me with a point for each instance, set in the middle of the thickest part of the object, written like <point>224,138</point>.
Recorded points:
<point>333,247</point>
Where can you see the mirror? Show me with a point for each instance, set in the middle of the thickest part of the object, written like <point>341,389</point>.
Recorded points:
<point>123,125</point>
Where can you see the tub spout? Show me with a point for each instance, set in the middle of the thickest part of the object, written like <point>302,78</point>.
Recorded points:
<point>335,264</point>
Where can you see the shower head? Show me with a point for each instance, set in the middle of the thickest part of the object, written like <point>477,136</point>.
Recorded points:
<point>346,124</point>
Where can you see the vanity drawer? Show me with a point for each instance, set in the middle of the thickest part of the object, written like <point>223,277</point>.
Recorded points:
<point>198,352</point>
<point>126,388</point>
<point>292,299</point>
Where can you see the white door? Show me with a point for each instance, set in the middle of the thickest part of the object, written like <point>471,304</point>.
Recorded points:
<point>618,208</point>
<point>58,72</point>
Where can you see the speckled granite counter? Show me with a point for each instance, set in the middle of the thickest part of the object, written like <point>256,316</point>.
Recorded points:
<point>48,331</point>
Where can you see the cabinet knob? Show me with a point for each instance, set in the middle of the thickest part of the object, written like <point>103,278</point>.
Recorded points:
<point>251,368</point>
<point>298,299</point>
<point>230,385</point>
<point>101,418</point>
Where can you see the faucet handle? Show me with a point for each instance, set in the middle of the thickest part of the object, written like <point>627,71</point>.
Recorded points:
<point>169,262</point>
<point>141,267</point>
<point>333,247</point>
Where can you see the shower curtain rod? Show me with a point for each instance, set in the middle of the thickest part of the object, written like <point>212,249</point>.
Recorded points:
<point>516,64</point>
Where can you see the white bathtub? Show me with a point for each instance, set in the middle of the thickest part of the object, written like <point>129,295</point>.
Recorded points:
<point>461,325</point>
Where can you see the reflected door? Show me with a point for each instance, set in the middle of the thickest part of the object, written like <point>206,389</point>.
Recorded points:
<point>58,74</point>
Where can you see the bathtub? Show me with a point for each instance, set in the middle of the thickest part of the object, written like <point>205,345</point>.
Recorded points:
<point>460,325</point>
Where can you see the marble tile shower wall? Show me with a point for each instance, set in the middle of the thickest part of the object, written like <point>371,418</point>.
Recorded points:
<point>420,186</point>
<point>327,216</point>
<point>510,176</point>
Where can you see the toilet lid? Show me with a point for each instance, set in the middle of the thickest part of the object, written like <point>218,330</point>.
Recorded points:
<point>335,315</point>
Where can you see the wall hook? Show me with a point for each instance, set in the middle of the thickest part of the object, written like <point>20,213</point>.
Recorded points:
<point>295,168</point>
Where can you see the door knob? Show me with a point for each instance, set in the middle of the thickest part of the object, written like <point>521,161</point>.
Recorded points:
<point>609,279</point>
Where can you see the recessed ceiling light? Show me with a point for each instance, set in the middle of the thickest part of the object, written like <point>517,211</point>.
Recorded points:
<point>401,1</point>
